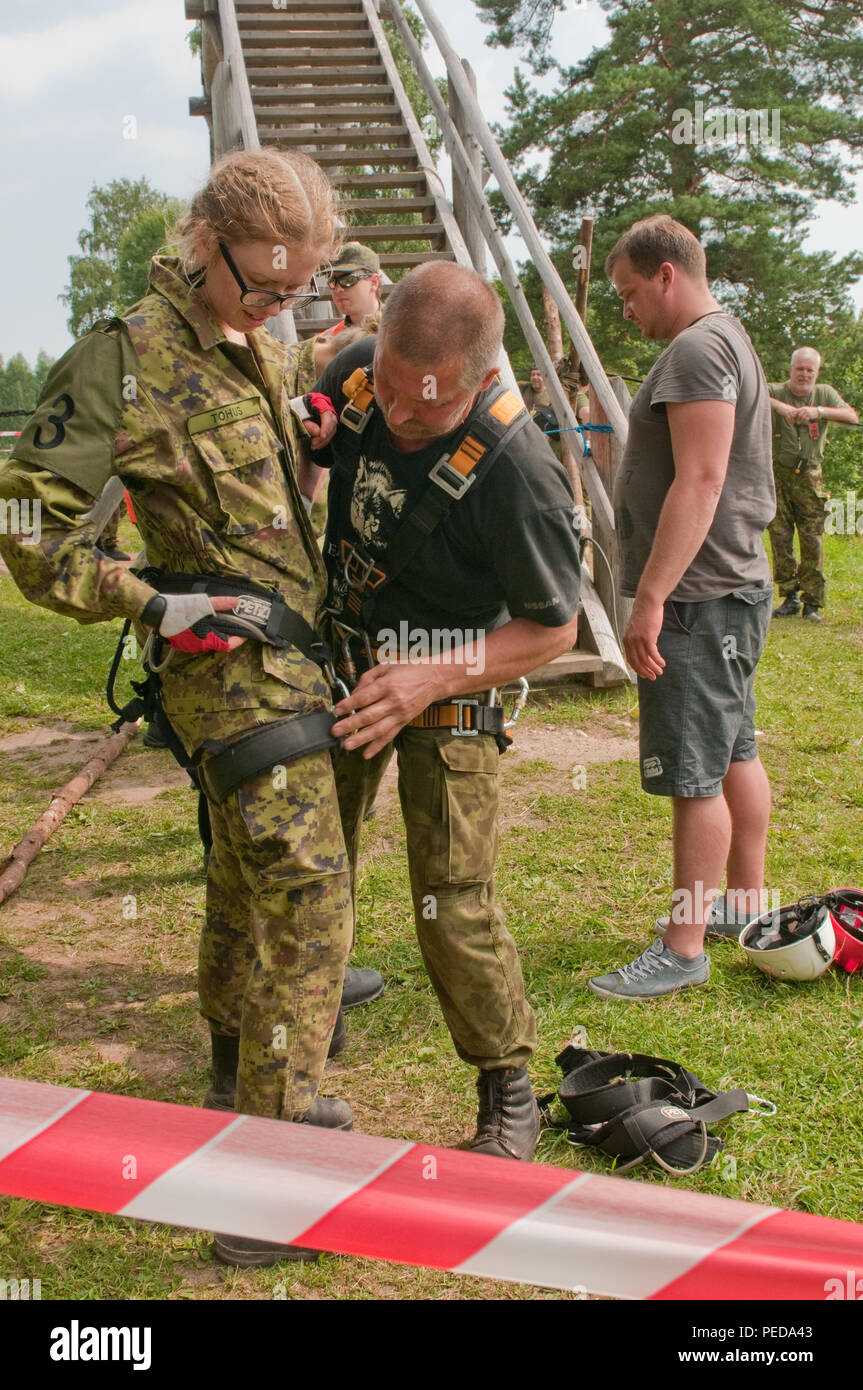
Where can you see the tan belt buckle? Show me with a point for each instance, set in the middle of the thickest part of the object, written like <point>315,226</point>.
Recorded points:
<point>460,731</point>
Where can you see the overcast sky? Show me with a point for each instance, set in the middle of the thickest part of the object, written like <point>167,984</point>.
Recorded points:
<point>73,73</point>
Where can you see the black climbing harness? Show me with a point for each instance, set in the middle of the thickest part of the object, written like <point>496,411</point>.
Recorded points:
<point>635,1107</point>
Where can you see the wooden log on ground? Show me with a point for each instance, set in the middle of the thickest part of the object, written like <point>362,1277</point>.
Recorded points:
<point>14,869</point>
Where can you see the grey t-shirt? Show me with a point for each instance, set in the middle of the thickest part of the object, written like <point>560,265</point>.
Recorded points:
<point>711,360</point>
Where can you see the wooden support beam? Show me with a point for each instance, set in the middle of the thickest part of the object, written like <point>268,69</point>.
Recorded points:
<point>499,253</point>
<point>608,452</point>
<point>524,221</point>
<point>461,202</point>
<point>597,634</point>
<point>233,57</point>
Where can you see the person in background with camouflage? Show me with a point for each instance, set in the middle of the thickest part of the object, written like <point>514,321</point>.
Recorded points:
<point>802,413</point>
<point>497,574</point>
<point>355,284</point>
<point>184,397</point>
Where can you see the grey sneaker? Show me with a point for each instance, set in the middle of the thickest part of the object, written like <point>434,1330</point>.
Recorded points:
<point>655,972</point>
<point>722,924</point>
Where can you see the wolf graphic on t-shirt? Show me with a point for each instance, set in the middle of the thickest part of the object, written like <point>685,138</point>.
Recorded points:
<point>376,504</point>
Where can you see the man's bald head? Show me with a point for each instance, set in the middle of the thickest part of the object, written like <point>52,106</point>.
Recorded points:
<point>441,313</point>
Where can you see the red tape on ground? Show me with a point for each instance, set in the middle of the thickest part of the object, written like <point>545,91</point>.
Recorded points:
<point>410,1203</point>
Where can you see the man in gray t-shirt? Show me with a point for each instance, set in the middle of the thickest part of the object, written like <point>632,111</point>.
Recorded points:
<point>711,360</point>
<point>693,494</point>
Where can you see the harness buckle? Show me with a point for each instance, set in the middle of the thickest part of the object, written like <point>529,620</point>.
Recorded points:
<point>353,418</point>
<point>454,483</point>
<point>359,570</point>
<point>460,731</point>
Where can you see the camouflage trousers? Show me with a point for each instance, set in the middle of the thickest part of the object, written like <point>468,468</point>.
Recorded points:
<point>448,788</point>
<point>278,920</point>
<point>801,504</point>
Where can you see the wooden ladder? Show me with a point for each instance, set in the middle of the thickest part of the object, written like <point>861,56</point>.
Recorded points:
<point>321,79</point>
<point>319,76</point>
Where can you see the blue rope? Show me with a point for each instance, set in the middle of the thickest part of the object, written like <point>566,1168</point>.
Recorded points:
<point>600,429</point>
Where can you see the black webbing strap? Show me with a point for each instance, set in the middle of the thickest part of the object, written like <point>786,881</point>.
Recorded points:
<point>229,765</point>
<point>134,708</point>
<point>632,1106</point>
<point>263,613</point>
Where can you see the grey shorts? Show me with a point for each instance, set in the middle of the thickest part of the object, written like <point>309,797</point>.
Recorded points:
<point>698,717</point>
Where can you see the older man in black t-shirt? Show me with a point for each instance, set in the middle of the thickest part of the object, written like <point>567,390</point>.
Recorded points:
<point>452,544</point>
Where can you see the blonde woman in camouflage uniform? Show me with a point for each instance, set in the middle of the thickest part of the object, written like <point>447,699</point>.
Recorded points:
<point>184,398</point>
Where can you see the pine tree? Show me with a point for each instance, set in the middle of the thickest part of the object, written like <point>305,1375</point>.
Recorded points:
<point>734,117</point>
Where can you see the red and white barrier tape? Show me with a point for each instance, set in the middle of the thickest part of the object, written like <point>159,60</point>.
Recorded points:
<point>9,434</point>
<point>355,1194</point>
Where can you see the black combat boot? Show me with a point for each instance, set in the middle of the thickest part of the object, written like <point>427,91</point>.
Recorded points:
<point>244,1251</point>
<point>339,1040</point>
<point>223,1085</point>
<point>222,1094</point>
<point>810,613</point>
<point>789,609</point>
<point>508,1120</point>
<point>360,987</point>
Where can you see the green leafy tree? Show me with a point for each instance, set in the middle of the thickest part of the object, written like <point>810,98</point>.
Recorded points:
<point>93,291</point>
<point>627,132</point>
<point>148,235</point>
<point>18,389</point>
<point>44,363</point>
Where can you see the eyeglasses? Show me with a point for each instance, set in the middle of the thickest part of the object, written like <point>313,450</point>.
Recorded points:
<point>262,299</point>
<point>347,282</point>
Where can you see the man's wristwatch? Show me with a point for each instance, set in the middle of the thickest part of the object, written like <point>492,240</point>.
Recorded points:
<point>820,412</point>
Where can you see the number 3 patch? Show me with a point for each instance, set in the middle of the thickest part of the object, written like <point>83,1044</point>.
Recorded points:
<point>58,421</point>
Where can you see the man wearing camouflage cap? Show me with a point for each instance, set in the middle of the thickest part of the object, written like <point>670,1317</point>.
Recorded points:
<point>354,281</point>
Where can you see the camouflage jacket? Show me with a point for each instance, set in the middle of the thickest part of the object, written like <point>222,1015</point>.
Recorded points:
<point>792,441</point>
<point>300,377</point>
<point>196,428</point>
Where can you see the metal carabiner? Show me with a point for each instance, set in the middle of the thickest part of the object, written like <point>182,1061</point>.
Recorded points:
<point>520,702</point>
<point>764,1107</point>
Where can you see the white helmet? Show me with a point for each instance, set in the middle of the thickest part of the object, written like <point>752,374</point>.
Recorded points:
<point>796,943</point>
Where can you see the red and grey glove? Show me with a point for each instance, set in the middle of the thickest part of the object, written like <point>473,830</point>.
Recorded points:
<point>174,615</point>
<point>312,406</point>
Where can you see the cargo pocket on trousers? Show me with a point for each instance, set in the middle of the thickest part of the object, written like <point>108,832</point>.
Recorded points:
<point>468,831</point>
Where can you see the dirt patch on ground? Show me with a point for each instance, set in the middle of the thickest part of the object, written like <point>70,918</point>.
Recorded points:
<point>140,775</point>
<point>56,751</point>
<point>563,746</point>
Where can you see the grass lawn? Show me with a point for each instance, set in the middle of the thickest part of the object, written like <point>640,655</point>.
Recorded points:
<point>92,997</point>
